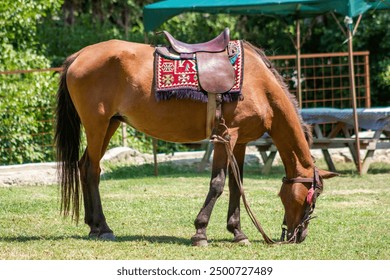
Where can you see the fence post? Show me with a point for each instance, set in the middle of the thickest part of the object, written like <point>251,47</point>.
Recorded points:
<point>367,80</point>
<point>124,135</point>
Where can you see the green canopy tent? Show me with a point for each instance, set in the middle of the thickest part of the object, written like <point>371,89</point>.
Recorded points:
<point>157,13</point>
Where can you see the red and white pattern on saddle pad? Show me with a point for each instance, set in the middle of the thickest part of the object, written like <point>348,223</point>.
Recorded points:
<point>178,78</point>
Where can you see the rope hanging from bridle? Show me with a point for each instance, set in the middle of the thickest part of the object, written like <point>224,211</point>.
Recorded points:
<point>236,172</point>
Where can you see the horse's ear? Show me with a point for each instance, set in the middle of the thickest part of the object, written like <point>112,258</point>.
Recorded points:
<point>327,174</point>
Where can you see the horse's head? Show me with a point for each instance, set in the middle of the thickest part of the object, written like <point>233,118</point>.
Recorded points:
<point>299,196</point>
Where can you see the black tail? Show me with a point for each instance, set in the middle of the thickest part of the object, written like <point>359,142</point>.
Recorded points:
<point>67,140</point>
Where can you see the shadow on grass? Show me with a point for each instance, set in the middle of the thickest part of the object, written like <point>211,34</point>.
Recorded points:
<point>379,168</point>
<point>131,238</point>
<point>180,241</point>
<point>163,239</point>
<point>24,239</point>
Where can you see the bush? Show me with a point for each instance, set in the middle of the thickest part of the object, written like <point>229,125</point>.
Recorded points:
<point>26,114</point>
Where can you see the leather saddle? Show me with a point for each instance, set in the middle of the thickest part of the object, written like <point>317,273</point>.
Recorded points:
<point>215,71</point>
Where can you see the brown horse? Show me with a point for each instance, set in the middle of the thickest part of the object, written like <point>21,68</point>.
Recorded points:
<point>111,82</point>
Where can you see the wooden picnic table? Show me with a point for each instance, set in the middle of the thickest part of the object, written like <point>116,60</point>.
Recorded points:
<point>375,122</point>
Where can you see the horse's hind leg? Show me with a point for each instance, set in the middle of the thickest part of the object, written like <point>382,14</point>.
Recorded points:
<point>233,218</point>
<point>217,183</point>
<point>89,165</point>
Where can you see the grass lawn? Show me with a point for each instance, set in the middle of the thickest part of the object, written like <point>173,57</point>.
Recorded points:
<point>153,218</point>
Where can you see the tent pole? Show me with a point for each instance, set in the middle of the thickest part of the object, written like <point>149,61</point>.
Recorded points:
<point>298,47</point>
<point>353,93</point>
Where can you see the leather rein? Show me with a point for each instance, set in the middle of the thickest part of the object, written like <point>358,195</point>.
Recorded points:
<point>221,135</point>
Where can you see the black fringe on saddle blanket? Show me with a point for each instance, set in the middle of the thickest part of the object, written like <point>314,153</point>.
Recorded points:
<point>196,95</point>
<point>178,78</point>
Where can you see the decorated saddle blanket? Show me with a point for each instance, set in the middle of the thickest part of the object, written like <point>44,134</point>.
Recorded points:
<point>178,78</point>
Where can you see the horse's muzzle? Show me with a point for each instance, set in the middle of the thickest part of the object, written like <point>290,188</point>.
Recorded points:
<point>302,234</point>
<point>297,235</point>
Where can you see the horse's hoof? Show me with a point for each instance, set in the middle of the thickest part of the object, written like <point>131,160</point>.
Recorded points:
<point>244,242</point>
<point>109,236</point>
<point>200,243</point>
<point>199,240</point>
<point>241,239</point>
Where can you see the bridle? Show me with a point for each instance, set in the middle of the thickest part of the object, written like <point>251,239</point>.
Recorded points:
<point>314,191</point>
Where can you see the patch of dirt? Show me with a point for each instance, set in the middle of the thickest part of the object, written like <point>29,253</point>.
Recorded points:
<point>46,173</point>
<point>28,174</point>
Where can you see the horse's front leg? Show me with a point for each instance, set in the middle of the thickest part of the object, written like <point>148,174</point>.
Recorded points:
<point>233,217</point>
<point>217,183</point>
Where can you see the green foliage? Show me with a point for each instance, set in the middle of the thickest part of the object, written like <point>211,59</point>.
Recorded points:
<point>19,45</point>
<point>26,99</point>
<point>83,23</point>
<point>374,36</point>
<point>385,75</point>
<point>270,33</point>
<point>71,38</point>
<point>18,20</point>
<point>26,114</point>
<point>195,27</point>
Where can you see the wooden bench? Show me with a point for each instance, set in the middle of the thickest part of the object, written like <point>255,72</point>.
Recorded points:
<point>379,140</point>
<point>268,151</point>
